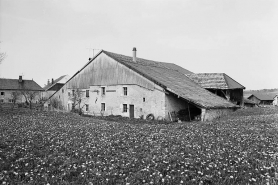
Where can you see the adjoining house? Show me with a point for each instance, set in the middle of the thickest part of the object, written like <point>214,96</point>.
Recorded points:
<point>222,85</point>
<point>275,100</point>
<point>51,87</point>
<point>249,103</point>
<point>114,84</point>
<point>9,88</point>
<point>261,99</point>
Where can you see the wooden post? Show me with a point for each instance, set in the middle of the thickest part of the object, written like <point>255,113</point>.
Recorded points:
<point>189,112</point>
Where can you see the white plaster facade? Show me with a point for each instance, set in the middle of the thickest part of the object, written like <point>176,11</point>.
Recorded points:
<point>6,97</point>
<point>275,101</point>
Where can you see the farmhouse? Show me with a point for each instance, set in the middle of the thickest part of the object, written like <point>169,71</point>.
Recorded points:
<point>9,88</point>
<point>114,84</point>
<point>261,99</point>
<point>51,87</point>
<point>220,84</point>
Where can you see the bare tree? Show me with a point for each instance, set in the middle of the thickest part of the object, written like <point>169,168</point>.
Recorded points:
<point>2,56</point>
<point>29,96</point>
<point>77,97</point>
<point>15,96</point>
<point>56,103</point>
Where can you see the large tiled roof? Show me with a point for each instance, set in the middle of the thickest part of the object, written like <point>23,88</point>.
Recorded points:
<point>14,84</point>
<point>215,81</point>
<point>48,86</point>
<point>173,78</point>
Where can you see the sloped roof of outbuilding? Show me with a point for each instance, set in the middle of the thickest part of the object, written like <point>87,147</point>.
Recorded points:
<point>171,77</point>
<point>14,84</point>
<point>215,81</point>
<point>265,97</point>
<point>48,86</point>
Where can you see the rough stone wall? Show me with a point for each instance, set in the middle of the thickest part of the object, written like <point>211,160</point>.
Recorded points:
<point>173,103</point>
<point>210,114</point>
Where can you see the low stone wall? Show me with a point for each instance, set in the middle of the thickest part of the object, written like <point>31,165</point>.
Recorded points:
<point>211,114</point>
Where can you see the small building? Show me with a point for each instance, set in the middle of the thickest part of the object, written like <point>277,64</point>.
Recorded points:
<point>261,99</point>
<point>9,88</point>
<point>51,87</point>
<point>249,103</point>
<point>222,85</point>
<point>275,100</point>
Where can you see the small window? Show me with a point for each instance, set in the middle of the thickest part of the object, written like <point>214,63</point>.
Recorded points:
<point>102,106</point>
<point>59,97</point>
<point>102,90</point>
<point>73,91</point>
<point>62,90</point>
<point>2,93</point>
<point>2,100</point>
<point>87,93</point>
<point>124,107</point>
<point>87,107</point>
<point>144,99</point>
<point>125,91</point>
<point>68,93</point>
<point>11,100</point>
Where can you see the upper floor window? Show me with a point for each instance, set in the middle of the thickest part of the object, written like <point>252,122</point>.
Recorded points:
<point>87,93</point>
<point>68,93</point>
<point>2,93</point>
<point>62,90</point>
<point>102,90</point>
<point>125,91</point>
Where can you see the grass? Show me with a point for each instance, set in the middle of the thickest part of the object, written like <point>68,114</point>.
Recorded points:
<point>62,148</point>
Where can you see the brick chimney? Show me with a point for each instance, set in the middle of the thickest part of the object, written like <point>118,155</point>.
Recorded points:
<point>52,82</point>
<point>48,82</point>
<point>134,54</point>
<point>20,79</point>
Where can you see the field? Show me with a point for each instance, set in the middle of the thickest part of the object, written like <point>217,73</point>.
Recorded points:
<point>62,148</point>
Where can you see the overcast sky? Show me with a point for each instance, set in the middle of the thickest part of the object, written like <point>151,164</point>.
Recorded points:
<point>46,39</point>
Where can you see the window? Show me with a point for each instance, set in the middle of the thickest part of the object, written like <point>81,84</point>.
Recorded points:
<point>102,106</point>
<point>2,93</point>
<point>87,107</point>
<point>144,99</point>
<point>11,100</point>
<point>62,90</point>
<point>102,90</point>
<point>87,93</point>
<point>125,91</point>
<point>124,107</point>
<point>73,92</point>
<point>2,100</point>
<point>68,93</point>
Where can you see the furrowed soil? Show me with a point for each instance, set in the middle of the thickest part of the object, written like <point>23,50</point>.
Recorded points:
<point>39,147</point>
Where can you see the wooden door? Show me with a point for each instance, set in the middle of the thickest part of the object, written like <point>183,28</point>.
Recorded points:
<point>131,111</point>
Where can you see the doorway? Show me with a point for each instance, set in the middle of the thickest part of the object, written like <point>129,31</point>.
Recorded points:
<point>131,111</point>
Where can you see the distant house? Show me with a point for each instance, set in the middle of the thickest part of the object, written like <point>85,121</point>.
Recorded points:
<point>275,100</point>
<point>249,103</point>
<point>115,84</point>
<point>220,84</point>
<point>51,87</point>
<point>20,86</point>
<point>261,99</point>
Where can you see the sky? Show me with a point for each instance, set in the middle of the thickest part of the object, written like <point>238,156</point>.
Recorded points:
<point>45,39</point>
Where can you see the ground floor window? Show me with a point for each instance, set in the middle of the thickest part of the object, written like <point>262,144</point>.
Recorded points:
<point>87,107</point>
<point>2,100</point>
<point>102,106</point>
<point>124,107</point>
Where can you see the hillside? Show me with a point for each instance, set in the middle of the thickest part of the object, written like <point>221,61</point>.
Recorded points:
<point>271,92</point>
